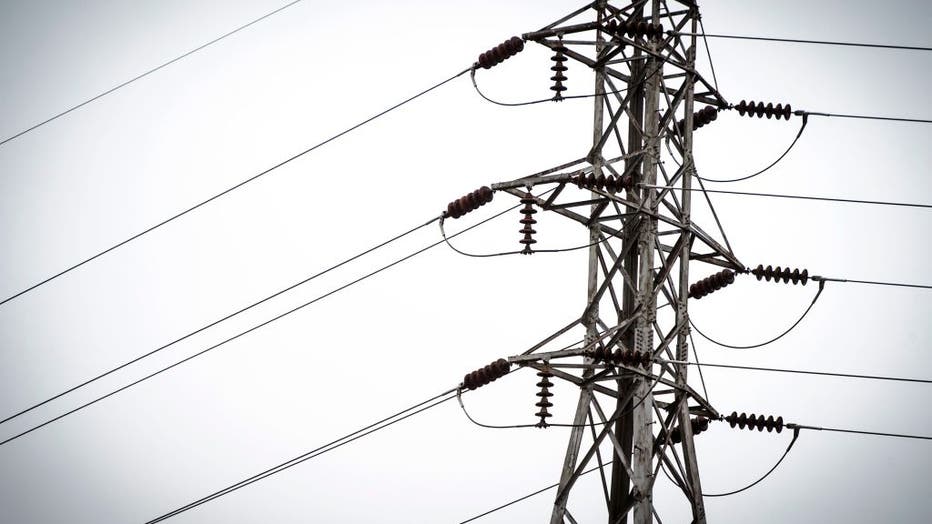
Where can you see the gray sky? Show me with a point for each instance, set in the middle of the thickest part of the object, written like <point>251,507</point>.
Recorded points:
<point>127,161</point>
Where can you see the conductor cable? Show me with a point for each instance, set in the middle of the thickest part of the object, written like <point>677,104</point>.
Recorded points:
<point>330,446</point>
<point>228,190</point>
<point>254,328</point>
<point>214,323</point>
<point>774,339</point>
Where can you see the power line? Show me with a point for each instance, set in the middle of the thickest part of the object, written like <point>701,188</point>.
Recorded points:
<point>254,328</point>
<point>752,484</point>
<point>874,282</point>
<point>230,189</point>
<point>870,117</point>
<point>802,41</point>
<point>801,197</point>
<point>525,497</point>
<point>330,446</point>
<point>804,372</point>
<point>215,322</point>
<point>149,72</point>
<point>861,432</point>
<point>770,341</point>
<point>791,426</point>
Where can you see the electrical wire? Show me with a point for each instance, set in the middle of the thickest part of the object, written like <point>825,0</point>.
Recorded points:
<point>149,72</point>
<point>861,432</point>
<point>870,117</point>
<point>539,101</point>
<point>805,121</point>
<point>254,328</point>
<point>803,372</point>
<point>525,497</point>
<point>749,486</point>
<point>215,322</point>
<point>516,252</point>
<point>776,338</point>
<point>874,283</point>
<point>559,425</point>
<point>801,197</point>
<point>330,446</point>
<point>230,189</point>
<point>801,41</point>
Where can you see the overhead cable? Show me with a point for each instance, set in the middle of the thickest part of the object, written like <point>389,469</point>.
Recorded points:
<point>149,72</point>
<point>871,117</point>
<point>802,127</point>
<point>802,41</point>
<point>875,283</point>
<point>254,328</point>
<point>525,497</point>
<point>801,197</point>
<point>770,341</point>
<point>801,371</point>
<point>751,485</point>
<point>232,188</point>
<point>215,322</point>
<point>330,446</point>
<point>861,432</point>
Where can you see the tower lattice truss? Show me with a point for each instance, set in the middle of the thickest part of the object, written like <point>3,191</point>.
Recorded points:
<point>632,193</point>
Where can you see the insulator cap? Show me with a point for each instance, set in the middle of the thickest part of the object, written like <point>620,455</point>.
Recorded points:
<point>470,202</point>
<point>777,273</point>
<point>487,374</point>
<point>760,110</point>
<point>501,52</point>
<point>711,284</point>
<point>752,422</point>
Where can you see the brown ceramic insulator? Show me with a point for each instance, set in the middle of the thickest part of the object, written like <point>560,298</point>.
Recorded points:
<point>501,52</point>
<point>760,110</point>
<point>559,67</point>
<point>786,274</point>
<point>698,425</point>
<point>758,422</point>
<point>528,200</point>
<point>632,28</point>
<point>544,395</point>
<point>469,202</point>
<point>610,183</point>
<point>711,284</point>
<point>486,374</point>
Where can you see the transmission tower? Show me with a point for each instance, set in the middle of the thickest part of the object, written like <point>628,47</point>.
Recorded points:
<point>634,199</point>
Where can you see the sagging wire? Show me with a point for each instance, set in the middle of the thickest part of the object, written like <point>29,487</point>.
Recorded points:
<point>778,337</point>
<point>802,127</point>
<point>559,425</point>
<point>749,486</point>
<point>764,170</point>
<point>516,252</point>
<point>540,101</point>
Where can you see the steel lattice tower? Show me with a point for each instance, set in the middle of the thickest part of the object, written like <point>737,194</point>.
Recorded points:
<point>641,241</point>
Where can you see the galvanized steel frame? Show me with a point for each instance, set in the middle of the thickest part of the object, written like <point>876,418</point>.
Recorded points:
<point>660,80</point>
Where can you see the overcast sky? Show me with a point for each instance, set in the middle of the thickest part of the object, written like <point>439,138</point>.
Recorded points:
<point>129,160</point>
